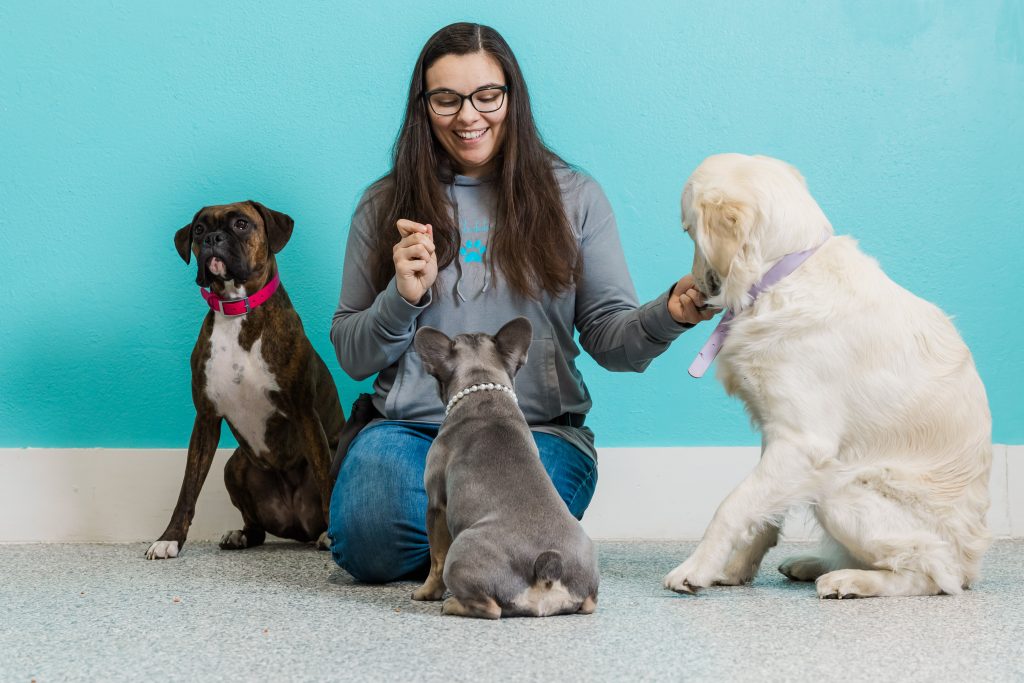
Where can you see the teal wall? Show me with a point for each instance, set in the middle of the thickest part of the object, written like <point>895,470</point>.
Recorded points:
<point>119,119</point>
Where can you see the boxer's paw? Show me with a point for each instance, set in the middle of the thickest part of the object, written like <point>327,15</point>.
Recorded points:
<point>234,540</point>
<point>430,590</point>
<point>324,542</point>
<point>162,550</point>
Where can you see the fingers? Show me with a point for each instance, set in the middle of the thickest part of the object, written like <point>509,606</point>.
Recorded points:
<point>696,297</point>
<point>687,304</point>
<point>407,228</point>
<point>686,282</point>
<point>701,308</point>
<point>413,259</point>
<point>687,309</point>
<point>413,248</point>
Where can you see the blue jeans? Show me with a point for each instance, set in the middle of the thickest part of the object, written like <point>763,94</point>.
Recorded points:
<point>378,525</point>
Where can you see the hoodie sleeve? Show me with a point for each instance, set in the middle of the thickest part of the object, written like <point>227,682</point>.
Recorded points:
<point>370,330</point>
<point>618,333</point>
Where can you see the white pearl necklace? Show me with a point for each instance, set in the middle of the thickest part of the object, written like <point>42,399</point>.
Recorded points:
<point>487,386</point>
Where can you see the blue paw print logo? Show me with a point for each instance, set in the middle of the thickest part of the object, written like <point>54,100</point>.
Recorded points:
<point>473,251</point>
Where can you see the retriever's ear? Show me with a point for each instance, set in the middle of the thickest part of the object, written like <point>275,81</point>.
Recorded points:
<point>435,350</point>
<point>279,226</point>
<point>725,226</point>
<point>513,342</point>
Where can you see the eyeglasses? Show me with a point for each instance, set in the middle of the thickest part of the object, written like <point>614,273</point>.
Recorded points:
<point>449,103</point>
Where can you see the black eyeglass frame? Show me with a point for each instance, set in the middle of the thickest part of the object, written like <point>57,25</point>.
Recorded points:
<point>462,98</point>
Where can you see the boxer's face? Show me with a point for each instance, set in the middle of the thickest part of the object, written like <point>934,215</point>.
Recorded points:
<point>232,241</point>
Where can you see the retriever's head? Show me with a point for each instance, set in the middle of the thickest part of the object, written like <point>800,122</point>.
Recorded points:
<point>745,213</point>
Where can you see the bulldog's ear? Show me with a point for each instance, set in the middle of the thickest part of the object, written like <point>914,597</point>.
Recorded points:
<point>513,342</point>
<point>435,349</point>
<point>279,226</point>
<point>183,242</point>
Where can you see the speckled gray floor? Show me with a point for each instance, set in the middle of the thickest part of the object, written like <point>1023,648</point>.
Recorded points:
<point>285,612</point>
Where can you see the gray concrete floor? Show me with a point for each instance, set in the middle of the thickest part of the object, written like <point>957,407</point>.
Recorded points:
<point>286,612</point>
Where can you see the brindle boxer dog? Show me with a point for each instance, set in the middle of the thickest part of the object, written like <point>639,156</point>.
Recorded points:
<point>254,367</point>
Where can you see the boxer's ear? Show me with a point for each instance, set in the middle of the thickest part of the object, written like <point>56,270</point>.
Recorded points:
<point>435,350</point>
<point>513,342</point>
<point>183,242</point>
<point>279,226</point>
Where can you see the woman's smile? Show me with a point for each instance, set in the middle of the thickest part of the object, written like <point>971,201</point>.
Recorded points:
<point>470,136</point>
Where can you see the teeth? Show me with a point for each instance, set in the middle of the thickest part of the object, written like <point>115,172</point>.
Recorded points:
<point>470,134</point>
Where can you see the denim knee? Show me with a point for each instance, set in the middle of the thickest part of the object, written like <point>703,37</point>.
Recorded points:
<point>573,472</point>
<point>368,547</point>
<point>378,507</point>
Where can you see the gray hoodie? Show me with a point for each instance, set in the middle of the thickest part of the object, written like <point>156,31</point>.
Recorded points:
<point>373,331</point>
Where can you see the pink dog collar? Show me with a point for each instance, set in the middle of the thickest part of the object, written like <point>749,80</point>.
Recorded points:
<point>786,265</point>
<point>234,307</point>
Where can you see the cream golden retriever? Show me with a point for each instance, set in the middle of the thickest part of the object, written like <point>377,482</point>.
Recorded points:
<point>869,405</point>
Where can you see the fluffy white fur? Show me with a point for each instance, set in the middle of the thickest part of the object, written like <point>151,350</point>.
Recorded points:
<point>869,405</point>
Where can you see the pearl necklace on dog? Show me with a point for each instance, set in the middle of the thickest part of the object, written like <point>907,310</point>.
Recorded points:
<point>486,386</point>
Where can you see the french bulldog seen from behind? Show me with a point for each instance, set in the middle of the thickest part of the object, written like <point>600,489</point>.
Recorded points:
<point>501,538</point>
<point>254,367</point>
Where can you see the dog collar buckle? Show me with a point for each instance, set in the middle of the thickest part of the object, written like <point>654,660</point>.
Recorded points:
<point>243,300</point>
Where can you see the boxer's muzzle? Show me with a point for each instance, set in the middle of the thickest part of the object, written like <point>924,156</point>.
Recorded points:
<point>221,257</point>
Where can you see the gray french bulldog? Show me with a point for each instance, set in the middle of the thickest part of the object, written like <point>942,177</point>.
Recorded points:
<point>501,538</point>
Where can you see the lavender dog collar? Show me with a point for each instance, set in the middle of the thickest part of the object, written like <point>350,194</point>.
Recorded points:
<point>786,265</point>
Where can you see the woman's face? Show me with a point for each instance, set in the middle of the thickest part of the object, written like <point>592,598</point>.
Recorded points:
<point>472,139</point>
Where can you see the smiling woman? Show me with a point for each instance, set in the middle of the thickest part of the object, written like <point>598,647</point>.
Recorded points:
<point>478,223</point>
<point>470,127</point>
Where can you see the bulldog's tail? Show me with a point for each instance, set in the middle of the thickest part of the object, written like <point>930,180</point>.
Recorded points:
<point>547,568</point>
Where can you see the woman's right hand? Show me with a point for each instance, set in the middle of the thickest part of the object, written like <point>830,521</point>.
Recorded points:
<point>415,260</point>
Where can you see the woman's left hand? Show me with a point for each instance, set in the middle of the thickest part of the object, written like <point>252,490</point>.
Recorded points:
<point>686,304</point>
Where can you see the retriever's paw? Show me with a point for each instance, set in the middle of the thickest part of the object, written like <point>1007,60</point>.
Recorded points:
<point>687,578</point>
<point>162,550</point>
<point>803,567</point>
<point>741,570</point>
<point>234,540</point>
<point>844,584</point>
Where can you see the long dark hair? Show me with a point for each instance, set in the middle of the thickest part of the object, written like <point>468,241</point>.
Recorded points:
<point>532,242</point>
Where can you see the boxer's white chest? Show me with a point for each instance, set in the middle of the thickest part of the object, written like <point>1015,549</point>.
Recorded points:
<point>238,382</point>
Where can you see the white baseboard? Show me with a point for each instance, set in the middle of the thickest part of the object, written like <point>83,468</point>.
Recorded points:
<point>122,495</point>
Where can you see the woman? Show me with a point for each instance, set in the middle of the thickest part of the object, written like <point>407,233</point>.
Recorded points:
<point>477,223</point>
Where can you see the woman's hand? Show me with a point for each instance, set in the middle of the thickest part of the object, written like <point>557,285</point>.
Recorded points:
<point>686,304</point>
<point>415,260</point>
